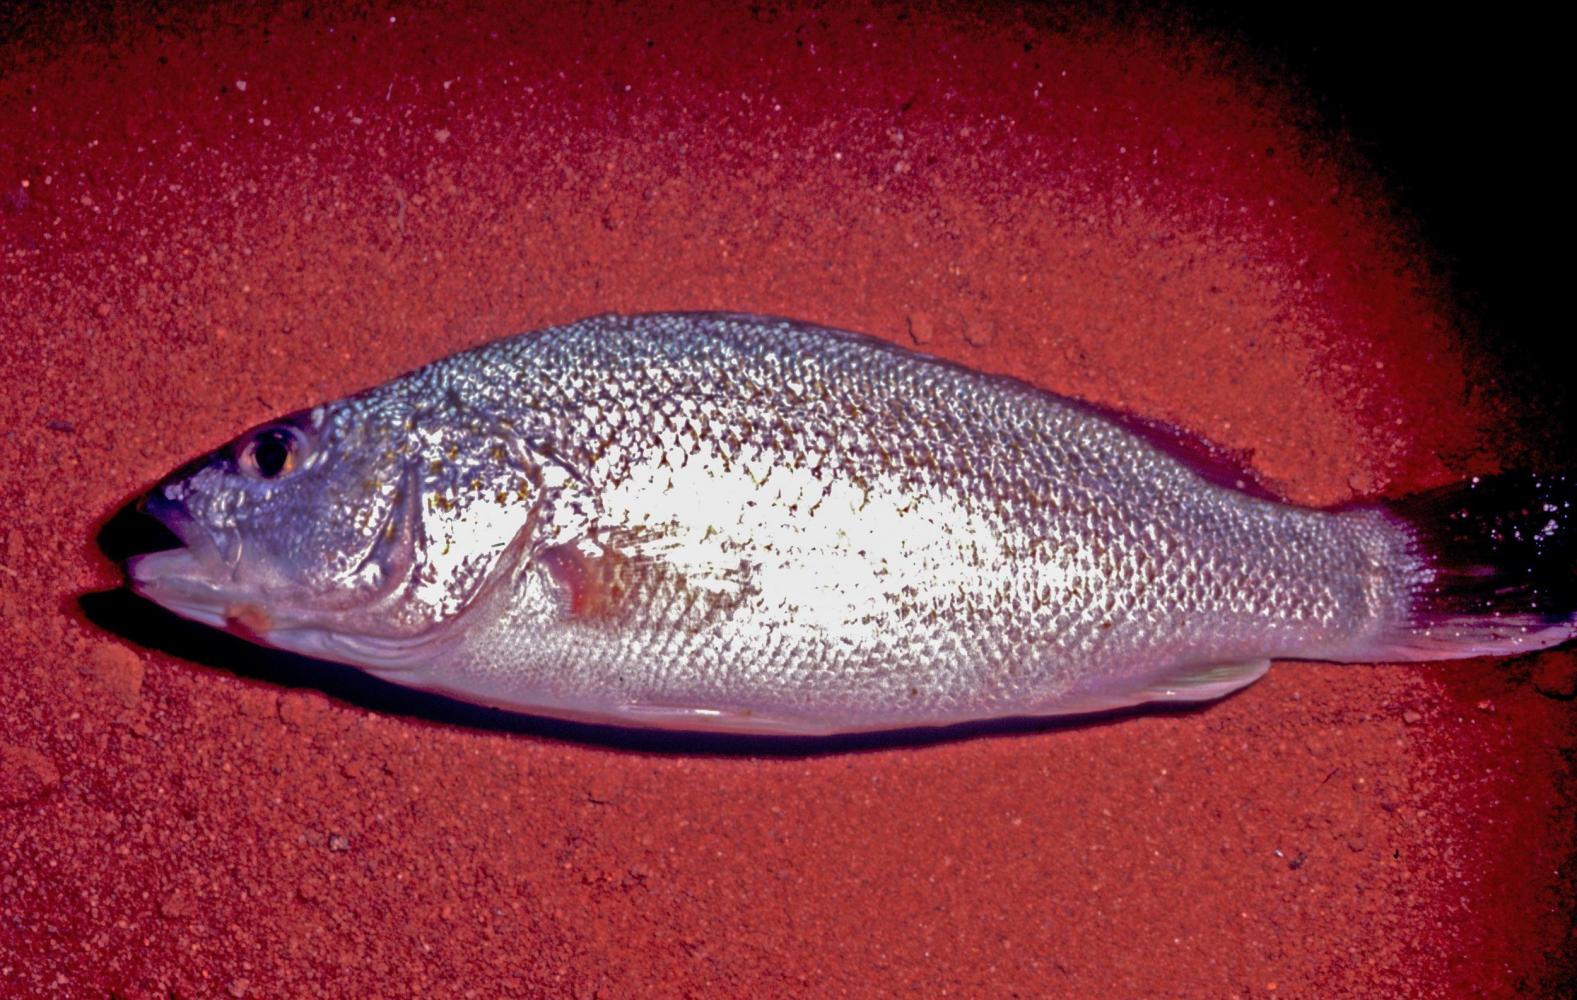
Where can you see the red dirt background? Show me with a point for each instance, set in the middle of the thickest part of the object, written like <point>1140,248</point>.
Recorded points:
<point>207,219</point>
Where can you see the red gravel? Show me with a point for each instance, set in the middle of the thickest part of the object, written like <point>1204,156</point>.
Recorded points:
<point>206,220</point>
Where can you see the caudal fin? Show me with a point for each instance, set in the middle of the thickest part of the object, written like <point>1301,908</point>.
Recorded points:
<point>1497,561</point>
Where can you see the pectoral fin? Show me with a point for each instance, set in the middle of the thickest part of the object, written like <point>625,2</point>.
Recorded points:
<point>591,584</point>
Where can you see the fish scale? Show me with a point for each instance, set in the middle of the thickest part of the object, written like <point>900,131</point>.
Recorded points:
<point>921,454</point>
<point>752,524</point>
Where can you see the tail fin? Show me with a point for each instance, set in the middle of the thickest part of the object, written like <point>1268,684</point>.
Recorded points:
<point>1498,567</point>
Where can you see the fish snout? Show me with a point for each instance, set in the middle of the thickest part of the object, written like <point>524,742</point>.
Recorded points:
<point>181,578</point>
<point>169,512</point>
<point>199,555</point>
<point>174,515</point>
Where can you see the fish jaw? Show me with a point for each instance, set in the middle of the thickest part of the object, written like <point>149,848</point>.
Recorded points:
<point>185,580</point>
<point>178,580</point>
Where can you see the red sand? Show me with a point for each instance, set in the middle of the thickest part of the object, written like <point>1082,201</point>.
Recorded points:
<point>211,219</point>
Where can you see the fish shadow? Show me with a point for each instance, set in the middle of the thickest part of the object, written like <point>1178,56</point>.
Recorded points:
<point>123,613</point>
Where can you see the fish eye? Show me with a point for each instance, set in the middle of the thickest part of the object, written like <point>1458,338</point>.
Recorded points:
<point>273,452</point>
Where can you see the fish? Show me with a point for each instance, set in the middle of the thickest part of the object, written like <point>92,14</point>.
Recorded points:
<point>744,524</point>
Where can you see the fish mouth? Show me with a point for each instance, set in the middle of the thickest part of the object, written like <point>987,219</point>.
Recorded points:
<point>187,579</point>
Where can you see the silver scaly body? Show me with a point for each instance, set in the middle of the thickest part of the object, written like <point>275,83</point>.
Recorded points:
<point>748,524</point>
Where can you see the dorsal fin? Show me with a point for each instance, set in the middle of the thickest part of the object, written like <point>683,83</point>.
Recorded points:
<point>1217,464</point>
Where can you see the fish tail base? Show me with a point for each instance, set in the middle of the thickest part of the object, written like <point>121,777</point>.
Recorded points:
<point>1497,568</point>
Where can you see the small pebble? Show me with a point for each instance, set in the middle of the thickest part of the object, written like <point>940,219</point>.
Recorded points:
<point>177,906</point>
<point>25,775</point>
<point>979,332</point>
<point>302,709</point>
<point>258,703</point>
<point>118,669</point>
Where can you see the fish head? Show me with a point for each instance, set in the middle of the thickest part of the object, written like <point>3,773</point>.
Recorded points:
<point>347,532</point>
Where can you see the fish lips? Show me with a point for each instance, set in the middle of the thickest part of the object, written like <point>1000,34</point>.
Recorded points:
<point>188,580</point>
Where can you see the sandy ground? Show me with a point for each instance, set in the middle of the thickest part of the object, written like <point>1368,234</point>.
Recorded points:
<point>206,220</point>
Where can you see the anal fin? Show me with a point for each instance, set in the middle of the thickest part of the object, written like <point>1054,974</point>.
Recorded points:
<point>1204,682</point>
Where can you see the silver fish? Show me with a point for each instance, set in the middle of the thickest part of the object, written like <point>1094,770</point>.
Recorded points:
<point>737,523</point>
